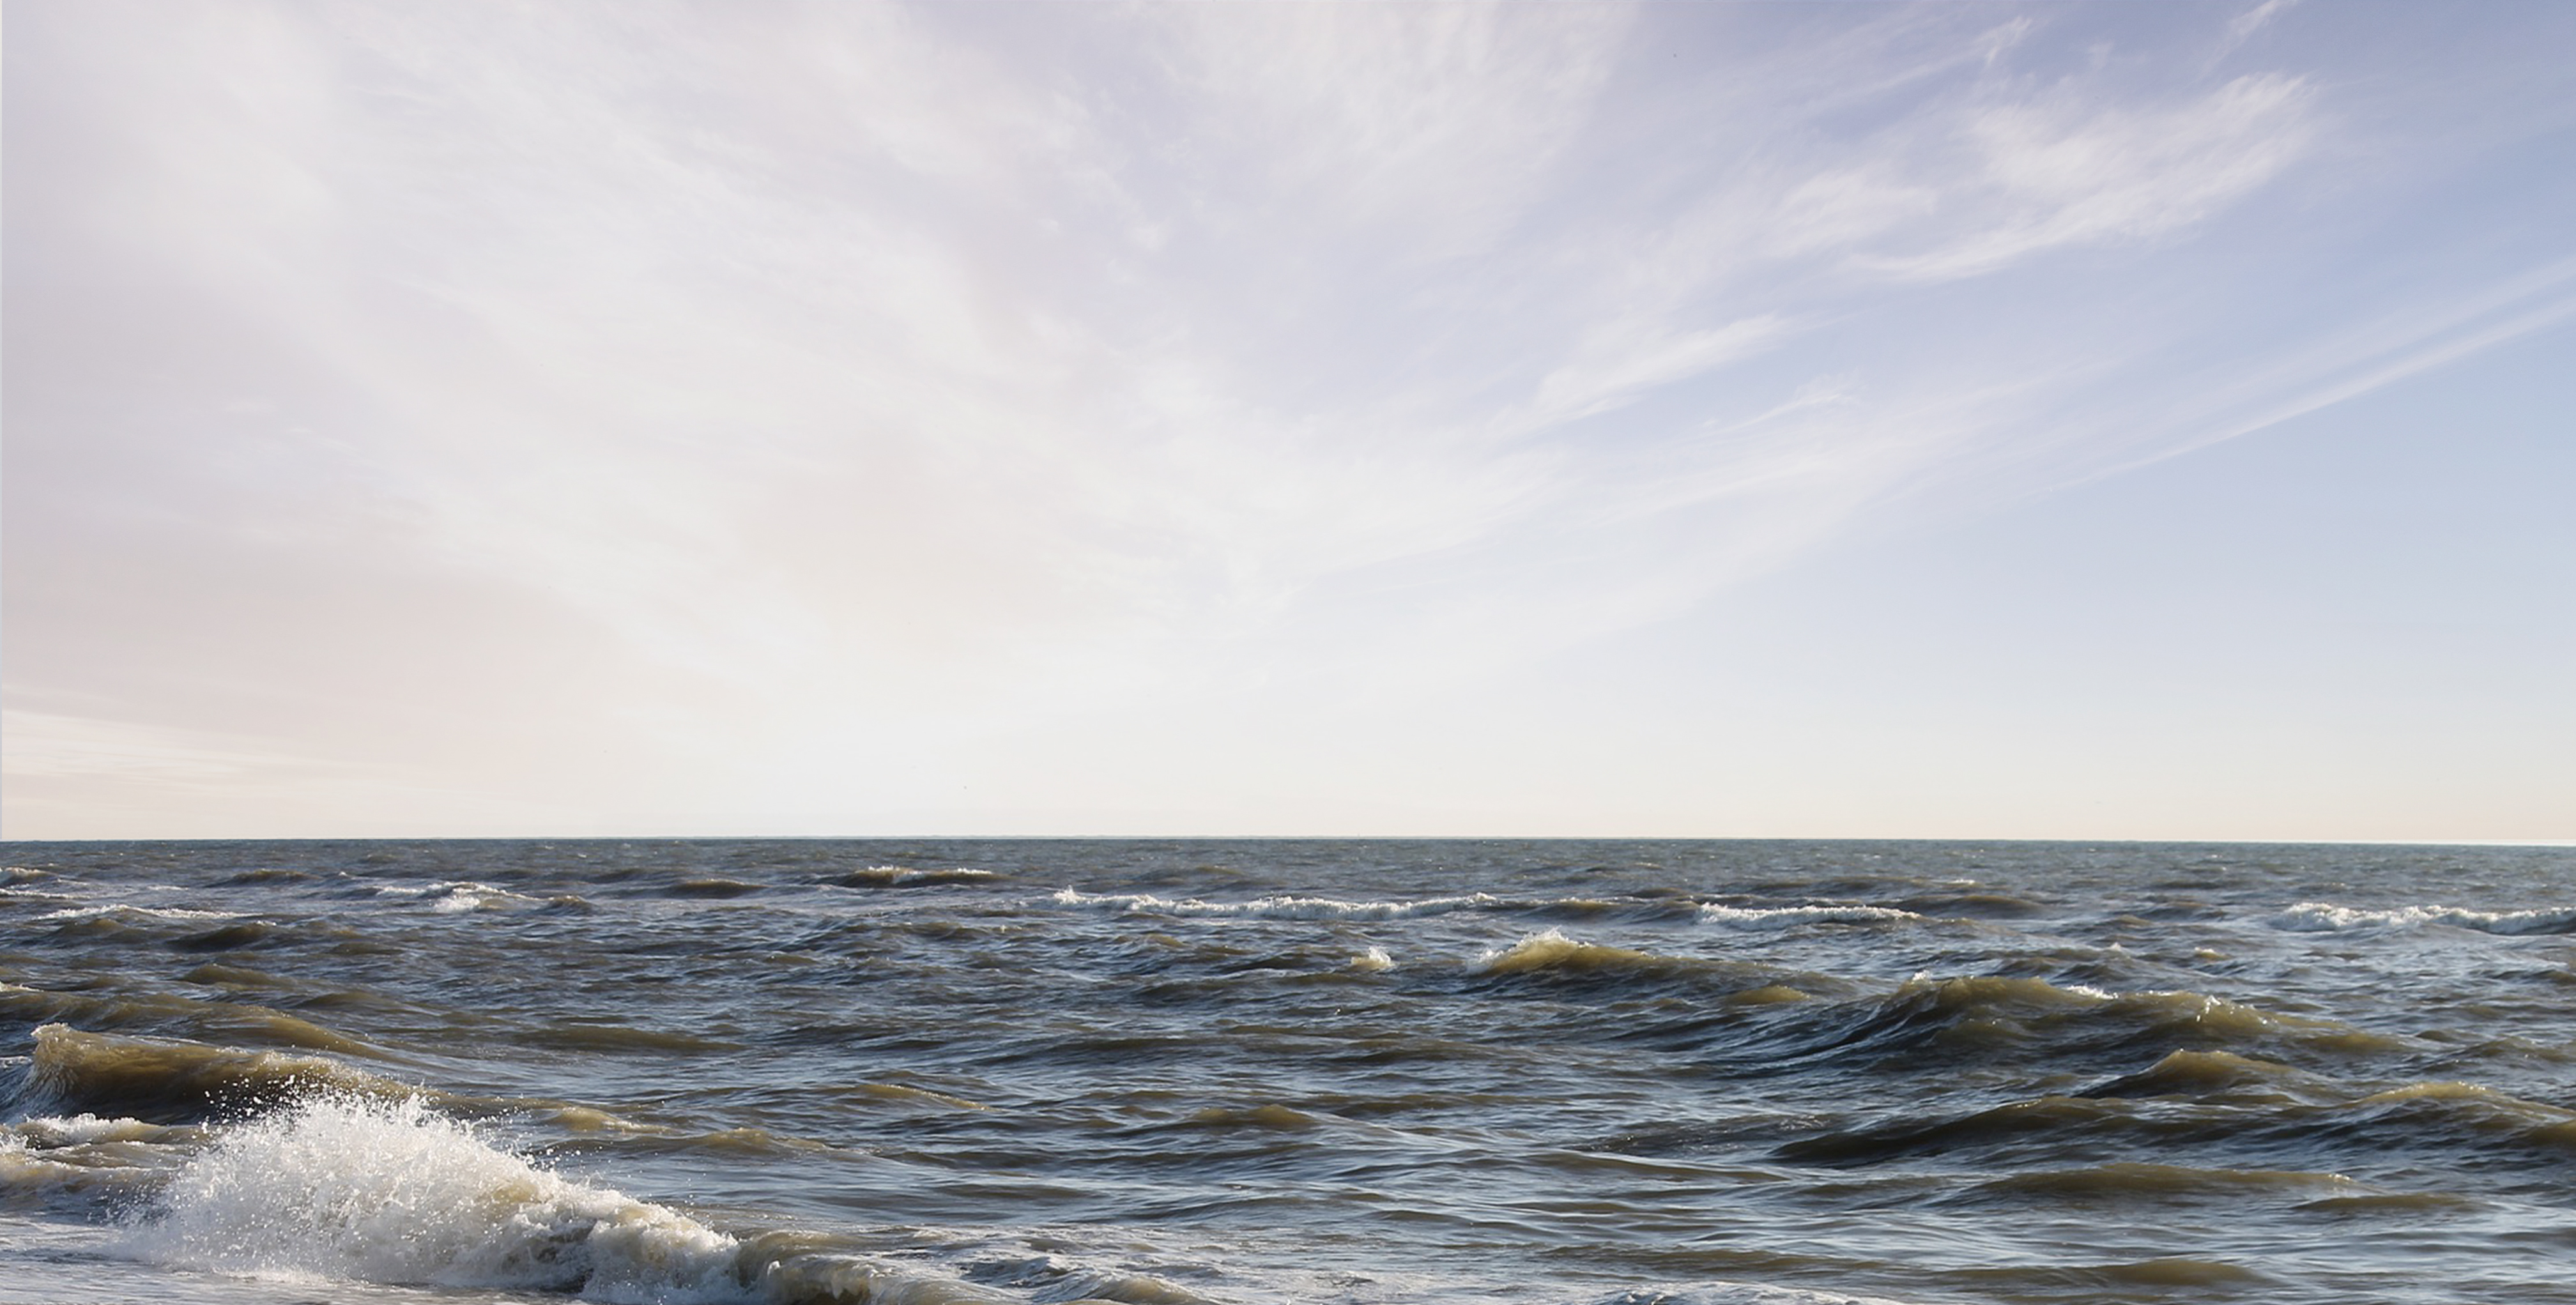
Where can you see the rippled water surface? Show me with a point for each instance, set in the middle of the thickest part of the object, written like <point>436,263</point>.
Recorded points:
<point>1562,1073</point>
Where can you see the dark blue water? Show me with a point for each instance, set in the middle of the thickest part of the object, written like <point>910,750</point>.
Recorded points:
<point>1238,1071</point>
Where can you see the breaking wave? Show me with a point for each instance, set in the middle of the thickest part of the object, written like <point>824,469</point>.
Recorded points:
<point>2325,917</point>
<point>456,896</point>
<point>1553,952</point>
<point>169,1082</point>
<point>1284,907</point>
<point>1782,917</point>
<point>128,911</point>
<point>371,1190</point>
<point>1292,907</point>
<point>382,1188</point>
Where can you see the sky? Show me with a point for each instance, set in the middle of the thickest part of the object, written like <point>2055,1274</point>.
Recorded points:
<point>1965,420</point>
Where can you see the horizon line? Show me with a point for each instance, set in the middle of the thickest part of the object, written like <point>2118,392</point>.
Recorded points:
<point>1298,838</point>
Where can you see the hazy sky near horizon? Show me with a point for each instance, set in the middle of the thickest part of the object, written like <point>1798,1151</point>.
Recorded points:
<point>1963,419</point>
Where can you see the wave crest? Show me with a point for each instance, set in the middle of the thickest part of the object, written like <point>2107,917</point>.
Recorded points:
<point>2326,917</point>
<point>1553,952</point>
<point>1783,917</point>
<point>366,1189</point>
<point>1281,907</point>
<point>174,1082</point>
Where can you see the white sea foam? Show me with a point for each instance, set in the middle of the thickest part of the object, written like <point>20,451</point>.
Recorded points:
<point>131,911</point>
<point>86,1156</point>
<point>391,1192</point>
<point>1782,917</point>
<point>85,1128</point>
<point>1282,908</point>
<point>35,897</point>
<point>1373,961</point>
<point>457,896</point>
<point>1745,1293</point>
<point>1552,950</point>
<point>2326,917</point>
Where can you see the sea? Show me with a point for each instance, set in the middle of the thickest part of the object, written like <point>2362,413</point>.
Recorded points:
<point>1159,1072</point>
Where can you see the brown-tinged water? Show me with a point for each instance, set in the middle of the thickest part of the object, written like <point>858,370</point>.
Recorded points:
<point>1554,1072</point>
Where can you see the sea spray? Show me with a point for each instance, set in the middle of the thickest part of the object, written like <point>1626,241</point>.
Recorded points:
<point>351,1188</point>
<point>1596,1073</point>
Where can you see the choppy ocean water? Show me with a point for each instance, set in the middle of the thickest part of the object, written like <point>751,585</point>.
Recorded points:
<point>1554,1072</point>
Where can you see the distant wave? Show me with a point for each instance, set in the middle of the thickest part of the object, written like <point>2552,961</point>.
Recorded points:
<point>1289,907</point>
<point>2326,917</point>
<point>1782,917</point>
<point>1742,1293</point>
<point>458,896</point>
<point>2227,1104</point>
<point>1553,952</point>
<point>890,876</point>
<point>128,911</point>
<point>1284,908</point>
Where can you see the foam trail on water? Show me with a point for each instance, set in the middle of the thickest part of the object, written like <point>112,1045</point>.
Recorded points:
<point>130,911</point>
<point>1782,917</point>
<point>1281,908</point>
<point>346,1188</point>
<point>2326,917</point>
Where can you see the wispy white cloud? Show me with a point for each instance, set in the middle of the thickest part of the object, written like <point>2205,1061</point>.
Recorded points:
<point>1429,125</point>
<point>2369,356</point>
<point>2255,19</point>
<point>1618,364</point>
<point>2057,174</point>
<point>1848,206</point>
<point>908,373</point>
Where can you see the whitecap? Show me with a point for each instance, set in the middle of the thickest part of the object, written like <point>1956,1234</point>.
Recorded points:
<point>1281,907</point>
<point>1744,1293</point>
<point>457,896</point>
<point>1752,1293</point>
<point>2326,917</point>
<point>354,1189</point>
<point>128,910</point>
<point>1782,917</point>
<point>1552,950</point>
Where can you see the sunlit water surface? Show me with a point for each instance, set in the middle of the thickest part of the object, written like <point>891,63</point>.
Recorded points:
<point>1560,1073</point>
